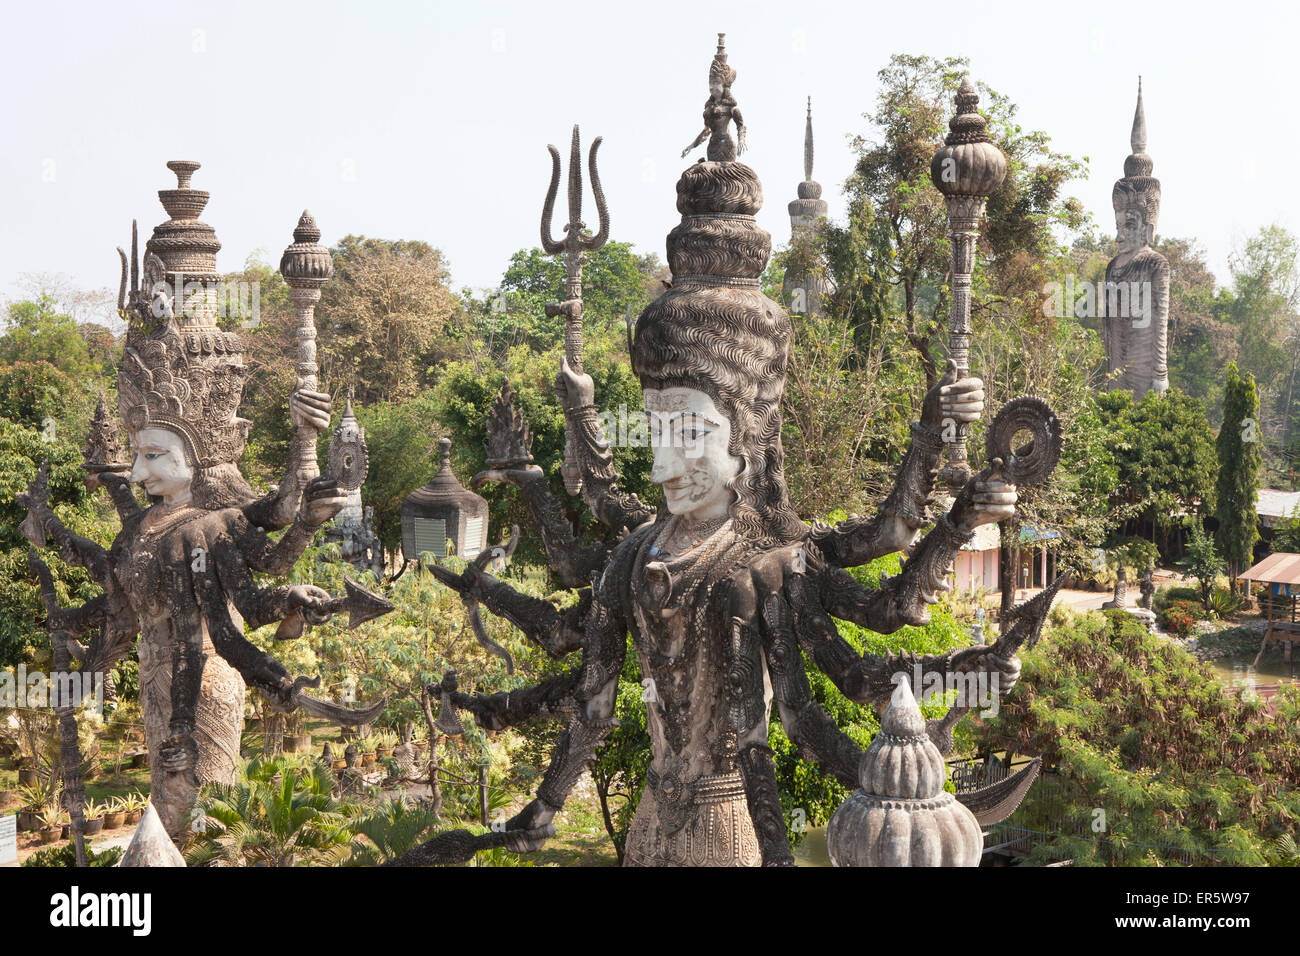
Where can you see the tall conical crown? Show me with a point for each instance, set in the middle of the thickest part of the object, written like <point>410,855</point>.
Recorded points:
<point>1138,189</point>
<point>180,371</point>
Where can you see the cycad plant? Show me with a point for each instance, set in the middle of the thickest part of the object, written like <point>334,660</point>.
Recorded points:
<point>281,812</point>
<point>392,828</point>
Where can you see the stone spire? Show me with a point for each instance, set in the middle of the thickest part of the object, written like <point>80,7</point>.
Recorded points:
<point>1138,139</point>
<point>808,145</point>
<point>809,208</point>
<point>805,285</point>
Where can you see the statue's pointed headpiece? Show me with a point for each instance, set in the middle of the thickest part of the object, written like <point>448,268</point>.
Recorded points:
<point>720,73</point>
<point>1138,189</point>
<point>179,370</point>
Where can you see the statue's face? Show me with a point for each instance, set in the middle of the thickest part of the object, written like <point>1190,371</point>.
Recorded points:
<point>160,465</point>
<point>1131,229</point>
<point>691,461</point>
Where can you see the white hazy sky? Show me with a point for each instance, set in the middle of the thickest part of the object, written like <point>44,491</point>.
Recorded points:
<point>429,120</point>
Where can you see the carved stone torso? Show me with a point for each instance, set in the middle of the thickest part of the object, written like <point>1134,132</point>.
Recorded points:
<point>1135,302</point>
<point>693,811</point>
<point>150,549</point>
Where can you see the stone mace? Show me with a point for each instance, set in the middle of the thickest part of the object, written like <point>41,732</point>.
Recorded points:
<point>966,169</point>
<point>306,266</point>
<point>574,246</point>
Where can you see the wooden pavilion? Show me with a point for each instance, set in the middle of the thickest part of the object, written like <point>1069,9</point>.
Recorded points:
<point>1280,574</point>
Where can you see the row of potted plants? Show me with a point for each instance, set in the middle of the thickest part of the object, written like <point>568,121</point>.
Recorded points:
<point>52,822</point>
<point>371,747</point>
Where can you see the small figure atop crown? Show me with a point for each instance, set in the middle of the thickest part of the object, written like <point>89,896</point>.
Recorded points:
<point>720,110</point>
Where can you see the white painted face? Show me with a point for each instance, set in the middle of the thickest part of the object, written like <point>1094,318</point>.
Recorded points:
<point>160,465</point>
<point>689,437</point>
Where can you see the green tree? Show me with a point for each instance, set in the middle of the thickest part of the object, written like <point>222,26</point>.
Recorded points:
<point>1202,561</point>
<point>384,316</point>
<point>1164,456</point>
<point>1132,724</point>
<point>1240,464</point>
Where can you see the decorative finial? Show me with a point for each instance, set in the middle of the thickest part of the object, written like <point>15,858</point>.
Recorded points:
<point>306,264</point>
<point>808,145</point>
<point>444,452</point>
<point>184,169</point>
<point>1138,139</point>
<point>306,230</point>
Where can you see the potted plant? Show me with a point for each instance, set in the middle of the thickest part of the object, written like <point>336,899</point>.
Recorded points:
<point>295,740</point>
<point>135,805</point>
<point>385,742</point>
<point>51,824</point>
<point>31,802</point>
<point>114,813</point>
<point>94,818</point>
<point>367,745</point>
<point>340,761</point>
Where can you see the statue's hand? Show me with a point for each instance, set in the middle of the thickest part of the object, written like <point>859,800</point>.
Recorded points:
<point>179,753</point>
<point>312,409</point>
<point>952,400</point>
<point>322,500</point>
<point>574,389</point>
<point>310,599</point>
<point>993,500</point>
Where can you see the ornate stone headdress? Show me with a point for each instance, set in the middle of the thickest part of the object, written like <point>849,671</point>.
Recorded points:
<point>180,371</point>
<point>719,72</point>
<point>1138,189</point>
<point>715,331</point>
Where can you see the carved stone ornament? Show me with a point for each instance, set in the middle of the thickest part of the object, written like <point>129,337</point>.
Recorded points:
<point>900,815</point>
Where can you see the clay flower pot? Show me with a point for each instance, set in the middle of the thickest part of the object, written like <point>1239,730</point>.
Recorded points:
<point>114,819</point>
<point>27,778</point>
<point>133,817</point>
<point>50,834</point>
<point>92,827</point>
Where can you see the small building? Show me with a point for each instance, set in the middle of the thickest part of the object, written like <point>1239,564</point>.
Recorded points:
<point>1280,575</point>
<point>977,566</point>
<point>1274,506</point>
<point>444,513</point>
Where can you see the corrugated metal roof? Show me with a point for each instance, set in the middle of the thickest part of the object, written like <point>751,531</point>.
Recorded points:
<point>1273,503</point>
<point>1278,568</point>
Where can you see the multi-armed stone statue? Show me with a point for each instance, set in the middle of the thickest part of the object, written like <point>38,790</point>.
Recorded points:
<point>1135,300</point>
<point>180,572</point>
<point>724,590</point>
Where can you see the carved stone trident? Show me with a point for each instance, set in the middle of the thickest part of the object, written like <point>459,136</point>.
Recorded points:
<point>575,244</point>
